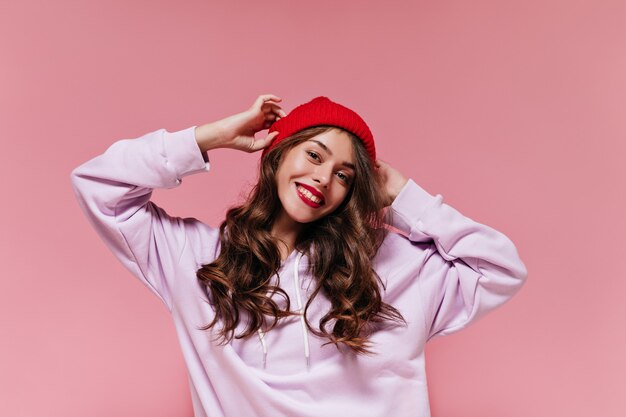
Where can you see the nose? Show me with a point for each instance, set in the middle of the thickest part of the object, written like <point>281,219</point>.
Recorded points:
<point>322,175</point>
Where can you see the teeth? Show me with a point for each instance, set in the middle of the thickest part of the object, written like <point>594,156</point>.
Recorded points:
<point>309,195</point>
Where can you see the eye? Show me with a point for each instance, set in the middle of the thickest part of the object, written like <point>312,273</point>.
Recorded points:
<point>313,155</point>
<point>343,177</point>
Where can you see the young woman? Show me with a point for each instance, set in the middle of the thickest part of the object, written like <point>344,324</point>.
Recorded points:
<point>316,296</point>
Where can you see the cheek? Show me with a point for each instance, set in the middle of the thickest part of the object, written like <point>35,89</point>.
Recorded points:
<point>339,195</point>
<point>292,167</point>
<point>299,167</point>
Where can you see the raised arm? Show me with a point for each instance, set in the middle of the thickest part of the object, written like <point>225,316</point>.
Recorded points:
<point>114,191</point>
<point>469,269</point>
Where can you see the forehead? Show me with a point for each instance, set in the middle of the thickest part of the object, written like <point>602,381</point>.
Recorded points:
<point>335,142</point>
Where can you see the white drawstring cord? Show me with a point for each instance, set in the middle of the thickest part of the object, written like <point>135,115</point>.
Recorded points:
<point>305,333</point>
<point>262,337</point>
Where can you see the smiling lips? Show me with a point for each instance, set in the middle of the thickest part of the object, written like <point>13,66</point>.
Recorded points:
<point>310,195</point>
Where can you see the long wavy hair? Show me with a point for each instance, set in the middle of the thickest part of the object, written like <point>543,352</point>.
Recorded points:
<point>340,246</point>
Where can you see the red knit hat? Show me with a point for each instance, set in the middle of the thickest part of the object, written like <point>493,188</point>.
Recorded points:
<point>322,111</point>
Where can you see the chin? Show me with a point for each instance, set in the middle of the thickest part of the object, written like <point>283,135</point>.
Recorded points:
<point>303,219</point>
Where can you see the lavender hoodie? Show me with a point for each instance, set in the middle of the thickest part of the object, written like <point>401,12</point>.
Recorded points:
<point>442,272</point>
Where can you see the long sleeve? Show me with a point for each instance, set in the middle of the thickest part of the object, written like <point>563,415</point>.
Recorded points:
<point>114,191</point>
<point>469,269</point>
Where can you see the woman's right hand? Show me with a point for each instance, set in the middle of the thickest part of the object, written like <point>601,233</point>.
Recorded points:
<point>237,131</point>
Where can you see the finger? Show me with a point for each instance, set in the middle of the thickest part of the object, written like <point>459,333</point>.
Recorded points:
<point>271,97</point>
<point>261,100</point>
<point>275,108</point>
<point>274,114</point>
<point>271,107</point>
<point>279,113</point>
<point>270,116</point>
<point>269,120</point>
<point>271,111</point>
<point>263,143</point>
<point>267,97</point>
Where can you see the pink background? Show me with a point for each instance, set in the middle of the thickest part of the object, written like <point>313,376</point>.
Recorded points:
<point>512,110</point>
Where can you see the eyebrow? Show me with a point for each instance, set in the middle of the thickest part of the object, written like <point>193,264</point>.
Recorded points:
<point>345,163</point>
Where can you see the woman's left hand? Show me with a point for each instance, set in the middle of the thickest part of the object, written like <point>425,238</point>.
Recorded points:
<point>391,178</point>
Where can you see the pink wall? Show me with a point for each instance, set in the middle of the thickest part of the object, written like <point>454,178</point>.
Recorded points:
<point>513,111</point>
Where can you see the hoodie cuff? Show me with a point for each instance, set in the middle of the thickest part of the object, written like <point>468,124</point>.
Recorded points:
<point>410,205</point>
<point>182,151</point>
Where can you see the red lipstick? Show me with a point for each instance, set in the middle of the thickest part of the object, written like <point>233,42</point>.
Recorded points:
<point>312,191</point>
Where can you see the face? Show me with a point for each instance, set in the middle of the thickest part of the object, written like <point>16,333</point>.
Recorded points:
<point>315,176</point>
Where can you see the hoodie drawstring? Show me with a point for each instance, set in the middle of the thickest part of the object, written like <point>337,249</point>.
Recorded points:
<point>262,338</point>
<point>305,333</point>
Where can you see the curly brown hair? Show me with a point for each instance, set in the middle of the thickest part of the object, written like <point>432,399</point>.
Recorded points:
<point>341,247</point>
